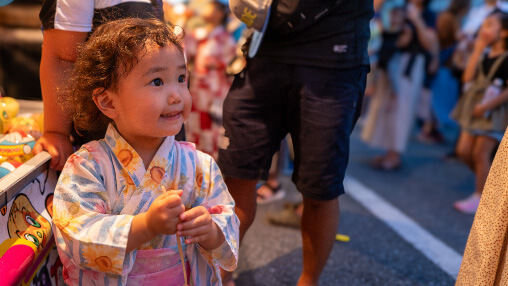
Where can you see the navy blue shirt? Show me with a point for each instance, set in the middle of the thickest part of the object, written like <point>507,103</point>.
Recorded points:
<point>319,33</point>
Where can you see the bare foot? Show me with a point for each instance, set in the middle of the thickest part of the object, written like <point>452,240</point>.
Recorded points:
<point>269,192</point>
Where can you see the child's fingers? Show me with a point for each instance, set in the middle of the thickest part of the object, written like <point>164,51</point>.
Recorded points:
<point>171,201</point>
<point>193,213</point>
<point>176,192</point>
<point>166,192</point>
<point>195,239</point>
<point>194,223</point>
<point>193,232</point>
<point>164,195</point>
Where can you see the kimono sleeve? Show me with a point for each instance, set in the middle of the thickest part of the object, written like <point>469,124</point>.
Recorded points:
<point>86,232</point>
<point>213,192</point>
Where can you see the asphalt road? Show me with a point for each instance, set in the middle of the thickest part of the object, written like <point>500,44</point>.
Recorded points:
<point>423,190</point>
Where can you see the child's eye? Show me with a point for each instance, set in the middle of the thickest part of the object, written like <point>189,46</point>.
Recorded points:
<point>181,78</point>
<point>157,82</point>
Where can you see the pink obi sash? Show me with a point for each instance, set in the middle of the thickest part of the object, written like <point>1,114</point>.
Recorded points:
<point>157,267</point>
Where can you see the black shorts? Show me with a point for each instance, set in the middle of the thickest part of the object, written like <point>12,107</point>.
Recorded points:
<point>317,106</point>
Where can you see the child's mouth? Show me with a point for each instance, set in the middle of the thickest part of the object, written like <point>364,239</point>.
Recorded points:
<point>174,115</point>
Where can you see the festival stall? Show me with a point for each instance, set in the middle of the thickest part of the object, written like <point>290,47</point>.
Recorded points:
<point>28,254</point>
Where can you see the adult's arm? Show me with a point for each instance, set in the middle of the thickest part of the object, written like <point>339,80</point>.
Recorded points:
<point>426,35</point>
<point>59,52</point>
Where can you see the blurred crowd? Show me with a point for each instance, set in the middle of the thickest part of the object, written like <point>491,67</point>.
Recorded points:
<point>432,70</point>
<point>438,71</point>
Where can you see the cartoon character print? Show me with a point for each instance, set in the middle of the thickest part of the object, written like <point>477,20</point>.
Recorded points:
<point>25,222</point>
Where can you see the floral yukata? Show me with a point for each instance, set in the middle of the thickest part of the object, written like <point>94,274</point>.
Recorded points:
<point>105,184</point>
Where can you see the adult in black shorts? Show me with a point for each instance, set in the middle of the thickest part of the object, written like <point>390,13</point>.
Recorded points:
<point>308,80</point>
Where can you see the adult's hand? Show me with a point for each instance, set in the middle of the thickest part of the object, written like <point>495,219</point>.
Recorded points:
<point>57,145</point>
<point>413,13</point>
<point>59,51</point>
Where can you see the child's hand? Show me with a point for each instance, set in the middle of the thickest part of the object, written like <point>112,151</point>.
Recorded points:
<point>479,110</point>
<point>198,227</point>
<point>412,12</point>
<point>482,41</point>
<point>163,215</point>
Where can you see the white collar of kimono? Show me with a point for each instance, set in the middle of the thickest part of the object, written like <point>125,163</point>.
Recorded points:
<point>131,162</point>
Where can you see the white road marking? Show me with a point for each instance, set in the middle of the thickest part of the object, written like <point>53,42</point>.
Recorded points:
<point>434,249</point>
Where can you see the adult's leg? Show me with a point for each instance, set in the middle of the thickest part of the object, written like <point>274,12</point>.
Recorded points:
<point>244,194</point>
<point>482,159</point>
<point>328,106</point>
<point>320,220</point>
<point>252,133</point>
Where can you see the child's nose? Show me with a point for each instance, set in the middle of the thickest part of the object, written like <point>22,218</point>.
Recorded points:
<point>174,96</point>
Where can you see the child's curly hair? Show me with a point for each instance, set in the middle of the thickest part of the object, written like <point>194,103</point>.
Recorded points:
<point>110,53</point>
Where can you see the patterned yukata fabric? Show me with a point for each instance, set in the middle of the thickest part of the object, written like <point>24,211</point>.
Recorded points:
<point>102,187</point>
<point>485,257</point>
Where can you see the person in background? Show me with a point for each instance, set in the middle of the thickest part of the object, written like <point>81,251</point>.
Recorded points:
<point>482,110</point>
<point>447,84</point>
<point>476,16</point>
<point>66,26</point>
<point>122,204</point>
<point>384,99</point>
<point>307,79</point>
<point>209,50</point>
<point>406,71</point>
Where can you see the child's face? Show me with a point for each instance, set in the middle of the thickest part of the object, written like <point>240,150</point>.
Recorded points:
<point>491,29</point>
<point>153,100</point>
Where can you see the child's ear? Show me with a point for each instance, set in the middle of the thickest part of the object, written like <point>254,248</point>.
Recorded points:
<point>104,100</point>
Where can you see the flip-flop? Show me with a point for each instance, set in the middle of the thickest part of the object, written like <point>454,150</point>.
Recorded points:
<point>286,217</point>
<point>376,162</point>
<point>385,164</point>
<point>277,194</point>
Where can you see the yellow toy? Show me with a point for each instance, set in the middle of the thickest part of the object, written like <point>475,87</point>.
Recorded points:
<point>26,124</point>
<point>9,108</point>
<point>11,105</point>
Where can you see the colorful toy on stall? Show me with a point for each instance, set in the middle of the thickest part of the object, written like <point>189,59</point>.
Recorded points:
<point>7,167</point>
<point>9,108</point>
<point>16,146</point>
<point>11,105</point>
<point>30,124</point>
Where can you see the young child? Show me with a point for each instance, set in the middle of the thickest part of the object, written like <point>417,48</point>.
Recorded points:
<point>483,122</point>
<point>114,224</point>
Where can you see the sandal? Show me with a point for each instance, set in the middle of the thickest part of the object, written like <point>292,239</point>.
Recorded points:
<point>386,164</point>
<point>468,205</point>
<point>287,217</point>
<point>277,193</point>
<point>377,162</point>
